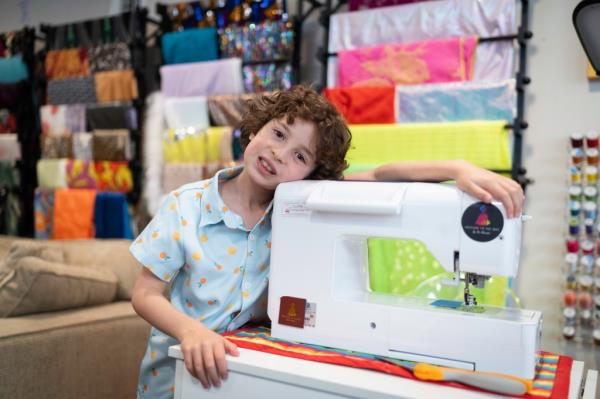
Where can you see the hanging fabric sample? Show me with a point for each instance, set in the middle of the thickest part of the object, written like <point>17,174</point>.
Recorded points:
<point>60,120</point>
<point>182,112</point>
<point>448,102</point>
<point>111,116</point>
<point>484,143</point>
<point>190,45</point>
<point>110,57</point>
<point>116,86</point>
<point>268,40</point>
<point>13,70</point>
<point>202,78</point>
<point>73,214</point>
<point>72,91</point>
<point>83,146</point>
<point>354,5</point>
<point>43,204</point>
<point>81,174</point>
<point>8,121</point>
<point>10,147</point>
<point>267,77</point>
<point>51,173</point>
<point>364,105</point>
<point>185,145</point>
<point>111,216</point>
<point>111,145</point>
<point>227,109</point>
<point>10,204</point>
<point>430,20</point>
<point>56,146</point>
<point>431,61</point>
<point>69,63</point>
<point>176,175</point>
<point>114,176</point>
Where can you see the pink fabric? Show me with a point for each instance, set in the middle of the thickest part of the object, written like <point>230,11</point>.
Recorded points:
<point>432,61</point>
<point>354,5</point>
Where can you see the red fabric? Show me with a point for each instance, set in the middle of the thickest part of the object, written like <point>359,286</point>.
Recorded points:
<point>299,351</point>
<point>363,105</point>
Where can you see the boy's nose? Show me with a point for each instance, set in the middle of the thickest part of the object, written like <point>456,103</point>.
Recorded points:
<point>276,155</point>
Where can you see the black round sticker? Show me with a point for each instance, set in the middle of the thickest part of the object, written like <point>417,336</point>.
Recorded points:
<point>482,222</point>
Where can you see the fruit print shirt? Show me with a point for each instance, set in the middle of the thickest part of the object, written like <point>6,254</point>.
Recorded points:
<point>218,269</point>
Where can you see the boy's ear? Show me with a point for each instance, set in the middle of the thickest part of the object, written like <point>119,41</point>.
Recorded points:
<point>251,136</point>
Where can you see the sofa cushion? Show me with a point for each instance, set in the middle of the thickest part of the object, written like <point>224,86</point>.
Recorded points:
<point>21,248</point>
<point>33,285</point>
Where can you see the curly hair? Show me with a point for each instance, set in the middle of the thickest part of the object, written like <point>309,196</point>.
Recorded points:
<point>333,135</point>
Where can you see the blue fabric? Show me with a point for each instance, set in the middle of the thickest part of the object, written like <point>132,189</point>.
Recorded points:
<point>191,45</point>
<point>111,216</point>
<point>12,70</point>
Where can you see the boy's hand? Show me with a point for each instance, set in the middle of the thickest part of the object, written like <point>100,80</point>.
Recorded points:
<point>485,185</point>
<point>204,355</point>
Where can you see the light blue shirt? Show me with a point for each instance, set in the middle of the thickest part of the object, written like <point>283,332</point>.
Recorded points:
<point>218,269</point>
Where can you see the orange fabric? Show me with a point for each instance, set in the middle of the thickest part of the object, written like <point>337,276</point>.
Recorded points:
<point>71,63</point>
<point>364,105</point>
<point>115,86</point>
<point>73,214</point>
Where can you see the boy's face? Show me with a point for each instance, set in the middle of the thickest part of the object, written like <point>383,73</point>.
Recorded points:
<point>281,152</point>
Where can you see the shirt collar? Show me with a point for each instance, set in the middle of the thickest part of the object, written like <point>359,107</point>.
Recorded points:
<point>213,209</point>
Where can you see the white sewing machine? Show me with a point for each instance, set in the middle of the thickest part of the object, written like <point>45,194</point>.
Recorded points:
<point>319,289</point>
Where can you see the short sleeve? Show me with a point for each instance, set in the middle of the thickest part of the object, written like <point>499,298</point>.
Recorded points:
<point>159,247</point>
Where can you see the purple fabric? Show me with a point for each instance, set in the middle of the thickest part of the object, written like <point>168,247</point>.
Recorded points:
<point>202,78</point>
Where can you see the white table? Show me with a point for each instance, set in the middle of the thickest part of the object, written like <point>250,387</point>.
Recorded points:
<point>262,375</point>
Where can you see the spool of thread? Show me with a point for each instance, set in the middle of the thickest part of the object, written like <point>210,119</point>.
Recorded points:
<point>591,156</point>
<point>573,227</point>
<point>571,281</point>
<point>571,260</point>
<point>570,298</point>
<point>587,249</point>
<point>576,140</point>
<point>590,193</point>
<point>585,300</point>
<point>575,175</point>
<point>568,332</point>
<point>591,139</point>
<point>569,314</point>
<point>587,263</point>
<point>572,245</point>
<point>586,315</point>
<point>577,156</point>
<point>574,208</point>
<point>590,210</point>
<point>575,193</point>
<point>589,227</point>
<point>591,174</point>
<point>585,282</point>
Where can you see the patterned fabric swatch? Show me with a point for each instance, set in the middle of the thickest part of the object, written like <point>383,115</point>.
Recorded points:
<point>10,147</point>
<point>59,120</point>
<point>227,109</point>
<point>75,118</point>
<point>364,104</point>
<point>83,146</point>
<point>268,40</point>
<point>111,145</point>
<point>551,380</point>
<point>81,174</point>
<point>8,121</point>
<point>10,204</point>
<point>72,91</point>
<point>114,176</point>
<point>69,63</point>
<point>43,204</point>
<point>267,77</point>
<point>444,60</point>
<point>109,57</point>
<point>116,86</point>
<point>190,45</point>
<point>57,146</point>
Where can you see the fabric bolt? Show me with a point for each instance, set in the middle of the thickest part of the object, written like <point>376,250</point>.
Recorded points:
<point>431,61</point>
<point>8,121</point>
<point>116,86</point>
<point>111,145</point>
<point>363,105</point>
<point>73,216</point>
<point>484,143</point>
<point>51,173</point>
<point>69,63</point>
<point>54,120</point>
<point>114,176</point>
<point>268,40</point>
<point>75,118</point>
<point>111,116</point>
<point>111,216</point>
<point>83,146</point>
<point>448,102</point>
<point>13,70</point>
<point>81,174</point>
<point>175,175</point>
<point>354,5</point>
<point>10,147</point>
<point>43,205</point>
<point>11,210</point>
<point>202,78</point>
<point>72,91</point>
<point>56,146</point>
<point>267,77</point>
<point>182,112</point>
<point>551,378</point>
<point>110,57</point>
<point>227,109</point>
<point>218,269</point>
<point>190,45</point>
<point>193,145</point>
<point>10,94</point>
<point>430,20</point>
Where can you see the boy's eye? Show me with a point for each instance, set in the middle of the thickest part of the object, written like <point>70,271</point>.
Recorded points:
<point>301,158</point>
<point>278,133</point>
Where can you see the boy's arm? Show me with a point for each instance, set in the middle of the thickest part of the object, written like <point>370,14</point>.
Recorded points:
<point>472,179</point>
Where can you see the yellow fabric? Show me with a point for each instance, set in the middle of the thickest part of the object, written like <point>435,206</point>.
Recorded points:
<point>484,143</point>
<point>200,146</point>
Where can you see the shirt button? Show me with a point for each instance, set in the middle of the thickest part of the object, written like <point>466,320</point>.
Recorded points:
<point>251,237</point>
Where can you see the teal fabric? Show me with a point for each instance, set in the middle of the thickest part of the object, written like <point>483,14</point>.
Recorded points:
<point>12,70</point>
<point>190,45</point>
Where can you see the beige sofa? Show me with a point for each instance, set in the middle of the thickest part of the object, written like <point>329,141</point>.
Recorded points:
<point>86,352</point>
